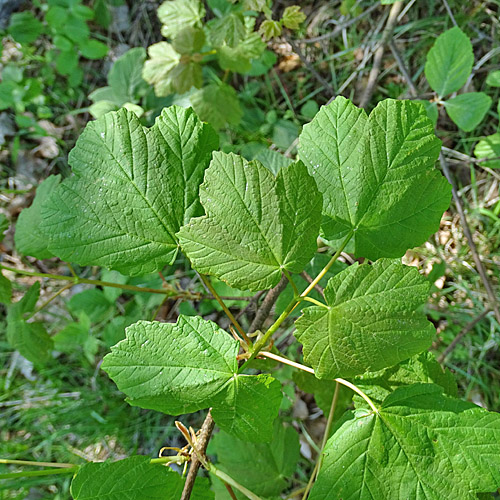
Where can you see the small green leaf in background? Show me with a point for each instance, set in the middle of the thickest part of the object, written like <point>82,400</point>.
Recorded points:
<point>93,49</point>
<point>162,59</point>
<point>132,190</point>
<point>24,27</point>
<point>28,238</point>
<point>422,368</point>
<point>217,104</point>
<point>132,478</point>
<point>191,365</point>
<point>263,468</point>
<point>431,109</point>
<point>186,75</point>
<point>489,147</point>
<point>293,17</point>
<point>30,339</point>
<point>5,290</point>
<point>76,29</point>
<point>228,30</point>
<point>239,59</point>
<point>273,160</point>
<point>372,320</point>
<point>493,79</point>
<point>377,175</point>
<point>256,225</point>
<point>422,444</point>
<point>270,29</point>
<point>449,62</point>
<point>4,225</point>
<point>189,40</point>
<point>93,303</point>
<point>468,110</point>
<point>175,15</point>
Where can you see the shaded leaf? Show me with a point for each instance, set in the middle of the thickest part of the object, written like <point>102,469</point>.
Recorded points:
<point>24,27</point>
<point>5,290</point>
<point>228,30</point>
<point>29,239</point>
<point>489,147</point>
<point>217,105</point>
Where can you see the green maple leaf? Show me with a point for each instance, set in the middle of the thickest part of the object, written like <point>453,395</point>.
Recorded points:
<point>132,190</point>
<point>376,174</point>
<point>449,62</point>
<point>371,322</point>
<point>256,225</point>
<point>28,237</point>
<point>175,15</point>
<point>132,478</point>
<point>228,30</point>
<point>421,444</point>
<point>191,365</point>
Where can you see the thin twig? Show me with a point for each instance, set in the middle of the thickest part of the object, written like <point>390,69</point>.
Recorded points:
<point>450,13</point>
<point>402,68</point>
<point>379,53</point>
<point>311,68</point>
<point>465,330</point>
<point>267,305</point>
<point>202,443</point>
<point>341,27</point>
<point>472,245</point>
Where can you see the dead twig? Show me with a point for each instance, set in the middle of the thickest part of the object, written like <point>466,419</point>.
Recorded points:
<point>379,53</point>
<point>267,305</point>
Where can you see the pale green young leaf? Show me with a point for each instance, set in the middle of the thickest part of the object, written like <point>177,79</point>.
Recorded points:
<point>449,62</point>
<point>133,478</point>
<point>100,108</point>
<point>248,406</point>
<point>272,160</point>
<point>422,368</point>
<point>372,320</point>
<point>255,225</point>
<point>191,365</point>
<point>377,175</point>
<point>293,17</point>
<point>468,110</point>
<point>228,30</point>
<point>239,59</point>
<point>270,29</point>
<point>263,468</point>
<point>162,59</point>
<point>5,290</point>
<point>422,444</point>
<point>28,237</point>
<point>489,147</point>
<point>493,79</point>
<point>132,190</point>
<point>217,105</point>
<point>175,15</point>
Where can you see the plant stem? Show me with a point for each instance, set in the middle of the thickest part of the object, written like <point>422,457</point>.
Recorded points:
<point>292,283</point>
<point>50,299</point>
<point>314,301</point>
<point>172,293</point>
<point>44,472</point>
<point>262,342</point>
<point>229,480</point>
<point>351,386</point>
<point>37,464</point>
<point>229,314</point>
